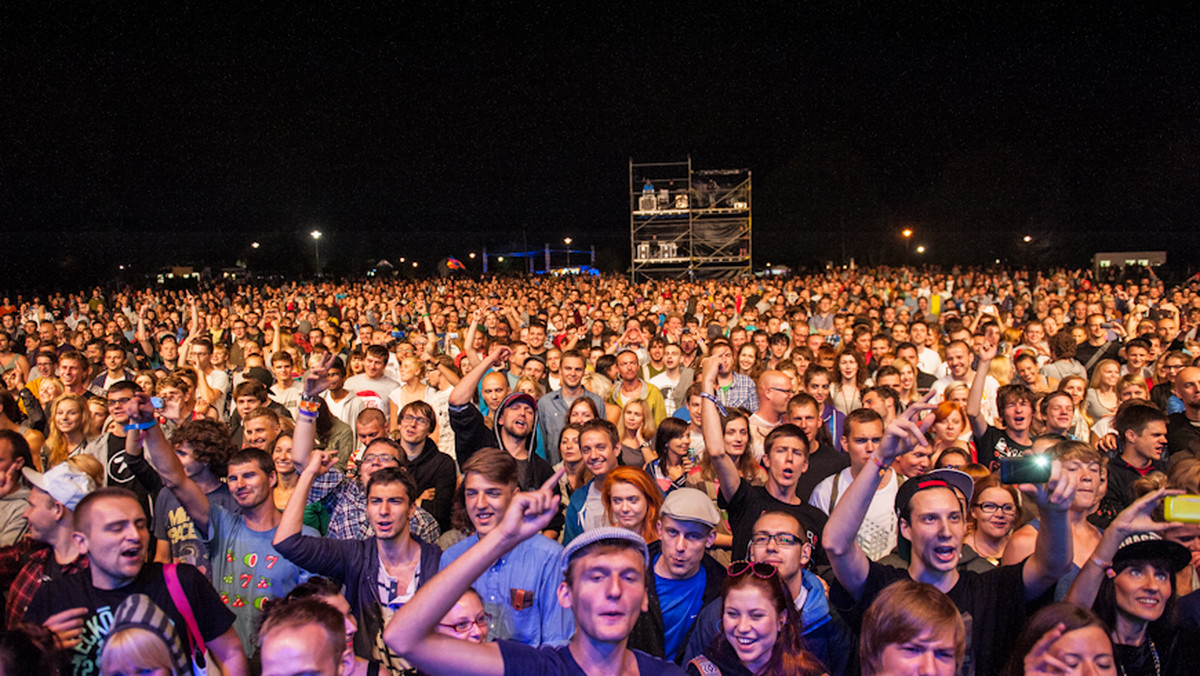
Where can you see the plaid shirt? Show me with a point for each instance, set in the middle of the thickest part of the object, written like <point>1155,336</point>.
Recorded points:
<point>741,393</point>
<point>31,576</point>
<point>346,500</point>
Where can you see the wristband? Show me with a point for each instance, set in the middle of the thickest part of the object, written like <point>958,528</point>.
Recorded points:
<point>311,398</point>
<point>879,464</point>
<point>129,427</point>
<point>1104,565</point>
<point>309,406</point>
<point>721,408</point>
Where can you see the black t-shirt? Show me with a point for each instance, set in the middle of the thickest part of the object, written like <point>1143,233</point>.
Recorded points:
<point>134,473</point>
<point>824,462</point>
<point>992,603</point>
<point>749,502</point>
<point>77,590</point>
<point>995,444</point>
<point>523,660</point>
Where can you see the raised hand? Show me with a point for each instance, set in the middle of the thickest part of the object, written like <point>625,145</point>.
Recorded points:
<point>317,378</point>
<point>1057,493</point>
<point>1136,518</point>
<point>905,434</point>
<point>1040,662</point>
<point>531,511</point>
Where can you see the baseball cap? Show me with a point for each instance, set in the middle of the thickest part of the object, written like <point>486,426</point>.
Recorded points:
<point>518,398</point>
<point>690,504</point>
<point>938,478</point>
<point>63,482</point>
<point>602,534</point>
<point>1151,546</point>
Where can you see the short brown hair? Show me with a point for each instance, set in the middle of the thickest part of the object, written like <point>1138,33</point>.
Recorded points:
<point>900,613</point>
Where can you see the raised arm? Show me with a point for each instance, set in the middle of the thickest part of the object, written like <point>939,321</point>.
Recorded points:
<point>166,461</point>
<point>850,564</point>
<point>1136,518</point>
<point>1053,554</point>
<point>465,389</point>
<point>292,520</point>
<point>985,353</point>
<point>316,380</point>
<point>410,633</point>
<point>714,439</point>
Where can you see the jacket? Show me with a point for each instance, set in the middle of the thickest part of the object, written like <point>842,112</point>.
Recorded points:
<point>648,634</point>
<point>354,563</point>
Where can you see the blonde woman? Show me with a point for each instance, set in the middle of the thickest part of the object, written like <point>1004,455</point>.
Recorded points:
<point>637,429</point>
<point>71,430</point>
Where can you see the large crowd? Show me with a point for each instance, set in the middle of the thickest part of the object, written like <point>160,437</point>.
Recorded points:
<point>878,471</point>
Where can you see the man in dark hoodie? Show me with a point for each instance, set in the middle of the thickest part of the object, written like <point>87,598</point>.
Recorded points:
<point>514,426</point>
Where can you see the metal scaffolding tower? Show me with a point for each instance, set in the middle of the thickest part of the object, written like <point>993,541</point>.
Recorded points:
<point>688,223</point>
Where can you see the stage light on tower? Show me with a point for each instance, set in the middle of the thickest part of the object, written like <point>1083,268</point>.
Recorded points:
<point>1027,239</point>
<point>567,241</point>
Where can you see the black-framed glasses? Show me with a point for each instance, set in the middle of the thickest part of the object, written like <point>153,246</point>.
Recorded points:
<point>463,626</point>
<point>763,571</point>
<point>118,402</point>
<point>991,507</point>
<point>762,539</point>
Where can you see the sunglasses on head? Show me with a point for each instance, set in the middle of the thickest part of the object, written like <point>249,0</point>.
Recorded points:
<point>764,571</point>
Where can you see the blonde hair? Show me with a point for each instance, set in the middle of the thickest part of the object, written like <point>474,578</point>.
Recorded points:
<point>648,426</point>
<point>1001,368</point>
<point>132,649</point>
<point>56,441</point>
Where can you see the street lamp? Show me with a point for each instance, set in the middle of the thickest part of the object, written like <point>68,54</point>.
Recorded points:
<point>921,249</point>
<point>1027,239</point>
<point>567,241</point>
<point>254,245</point>
<point>907,233</point>
<point>471,255</point>
<point>316,235</point>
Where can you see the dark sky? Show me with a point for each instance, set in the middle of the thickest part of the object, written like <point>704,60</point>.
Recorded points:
<point>156,136</point>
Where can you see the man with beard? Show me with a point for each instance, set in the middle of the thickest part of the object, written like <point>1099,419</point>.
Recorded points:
<point>246,569</point>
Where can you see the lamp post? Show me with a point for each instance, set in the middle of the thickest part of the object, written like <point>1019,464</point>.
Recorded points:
<point>316,235</point>
<point>907,233</point>
<point>567,241</point>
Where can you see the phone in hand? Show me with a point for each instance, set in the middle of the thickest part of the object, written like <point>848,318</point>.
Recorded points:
<point>156,402</point>
<point>1027,469</point>
<point>1182,508</point>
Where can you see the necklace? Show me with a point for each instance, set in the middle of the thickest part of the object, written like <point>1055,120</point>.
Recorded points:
<point>1154,654</point>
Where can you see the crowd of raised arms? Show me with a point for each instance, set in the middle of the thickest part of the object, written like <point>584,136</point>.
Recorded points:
<point>875,471</point>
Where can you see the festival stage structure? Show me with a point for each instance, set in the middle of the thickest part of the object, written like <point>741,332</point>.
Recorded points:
<point>688,223</point>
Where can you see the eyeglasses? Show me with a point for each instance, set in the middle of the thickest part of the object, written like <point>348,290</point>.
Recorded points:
<point>118,402</point>
<point>991,507</point>
<point>764,571</point>
<point>779,389</point>
<point>379,458</point>
<point>414,419</point>
<point>781,539</point>
<point>464,626</point>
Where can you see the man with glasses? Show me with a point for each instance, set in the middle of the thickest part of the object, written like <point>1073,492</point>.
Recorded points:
<point>779,539</point>
<point>432,470</point>
<point>1097,347</point>
<point>122,469</point>
<point>345,496</point>
<point>774,391</point>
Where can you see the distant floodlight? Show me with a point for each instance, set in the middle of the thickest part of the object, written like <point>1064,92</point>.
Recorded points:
<point>1027,239</point>
<point>921,249</point>
<point>316,234</point>
<point>254,245</point>
<point>907,232</point>
<point>471,255</point>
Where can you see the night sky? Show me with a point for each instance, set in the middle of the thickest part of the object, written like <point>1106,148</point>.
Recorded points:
<point>153,137</point>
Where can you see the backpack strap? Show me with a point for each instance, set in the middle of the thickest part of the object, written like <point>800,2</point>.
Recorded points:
<point>833,494</point>
<point>171,573</point>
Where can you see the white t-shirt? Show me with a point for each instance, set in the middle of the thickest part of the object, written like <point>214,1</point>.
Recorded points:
<point>877,534</point>
<point>374,392</point>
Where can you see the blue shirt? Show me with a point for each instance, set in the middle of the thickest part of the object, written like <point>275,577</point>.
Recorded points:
<point>680,602</point>
<point>521,592</point>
